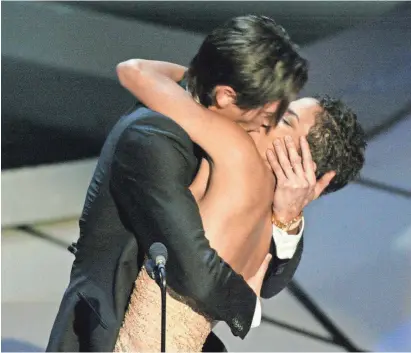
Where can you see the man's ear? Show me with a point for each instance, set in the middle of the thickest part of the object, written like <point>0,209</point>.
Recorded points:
<point>270,113</point>
<point>224,96</point>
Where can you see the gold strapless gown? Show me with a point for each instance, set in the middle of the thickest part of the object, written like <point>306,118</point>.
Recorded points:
<point>187,329</point>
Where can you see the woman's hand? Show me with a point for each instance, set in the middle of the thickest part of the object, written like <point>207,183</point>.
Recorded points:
<point>296,181</point>
<point>256,281</point>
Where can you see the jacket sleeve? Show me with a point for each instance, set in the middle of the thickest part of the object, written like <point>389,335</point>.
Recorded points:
<point>280,272</point>
<point>151,171</point>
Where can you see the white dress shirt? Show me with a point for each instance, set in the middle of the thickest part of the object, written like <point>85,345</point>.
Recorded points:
<point>286,245</point>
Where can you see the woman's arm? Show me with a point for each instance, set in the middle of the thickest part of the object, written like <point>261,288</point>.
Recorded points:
<point>153,84</point>
<point>174,72</point>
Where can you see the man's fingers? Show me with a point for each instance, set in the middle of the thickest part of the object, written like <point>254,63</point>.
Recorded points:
<point>305,151</point>
<point>283,159</point>
<point>308,163</point>
<point>294,157</point>
<point>275,165</point>
<point>323,183</point>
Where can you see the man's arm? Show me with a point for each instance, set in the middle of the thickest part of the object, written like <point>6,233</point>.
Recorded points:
<point>280,272</point>
<point>150,176</point>
<point>286,250</point>
<point>296,187</point>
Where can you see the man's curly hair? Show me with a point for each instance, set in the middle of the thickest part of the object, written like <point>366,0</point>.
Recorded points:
<point>337,142</point>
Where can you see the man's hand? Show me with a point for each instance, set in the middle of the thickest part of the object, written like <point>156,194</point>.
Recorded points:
<point>256,281</point>
<point>296,182</point>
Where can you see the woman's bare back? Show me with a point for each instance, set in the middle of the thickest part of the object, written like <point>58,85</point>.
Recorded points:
<point>236,218</point>
<point>235,204</point>
<point>187,328</point>
<point>236,208</point>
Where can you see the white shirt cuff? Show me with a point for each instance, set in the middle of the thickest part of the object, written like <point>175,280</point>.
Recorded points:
<point>286,244</point>
<point>257,314</point>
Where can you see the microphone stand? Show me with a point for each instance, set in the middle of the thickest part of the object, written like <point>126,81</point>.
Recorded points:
<point>161,275</point>
<point>158,254</point>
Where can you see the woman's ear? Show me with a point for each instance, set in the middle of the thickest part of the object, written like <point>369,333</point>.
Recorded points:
<point>224,96</point>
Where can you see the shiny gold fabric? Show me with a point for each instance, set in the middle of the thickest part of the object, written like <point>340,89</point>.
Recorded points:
<point>187,329</point>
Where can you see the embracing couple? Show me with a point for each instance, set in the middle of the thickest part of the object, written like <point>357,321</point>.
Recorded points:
<point>218,166</point>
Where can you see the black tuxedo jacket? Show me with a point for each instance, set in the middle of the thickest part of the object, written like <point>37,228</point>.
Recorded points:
<point>138,195</point>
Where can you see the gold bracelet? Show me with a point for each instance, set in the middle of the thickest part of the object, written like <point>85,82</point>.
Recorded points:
<point>289,225</point>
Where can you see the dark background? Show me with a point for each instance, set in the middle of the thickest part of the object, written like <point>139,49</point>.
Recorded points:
<point>53,112</point>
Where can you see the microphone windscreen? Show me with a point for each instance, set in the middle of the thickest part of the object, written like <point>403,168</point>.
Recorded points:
<point>158,249</point>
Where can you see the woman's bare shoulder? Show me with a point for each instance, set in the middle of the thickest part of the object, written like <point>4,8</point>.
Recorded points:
<point>245,178</point>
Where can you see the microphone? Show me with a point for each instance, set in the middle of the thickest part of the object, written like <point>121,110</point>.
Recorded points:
<point>158,253</point>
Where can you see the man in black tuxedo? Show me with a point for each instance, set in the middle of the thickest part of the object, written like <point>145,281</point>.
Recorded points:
<point>139,194</point>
